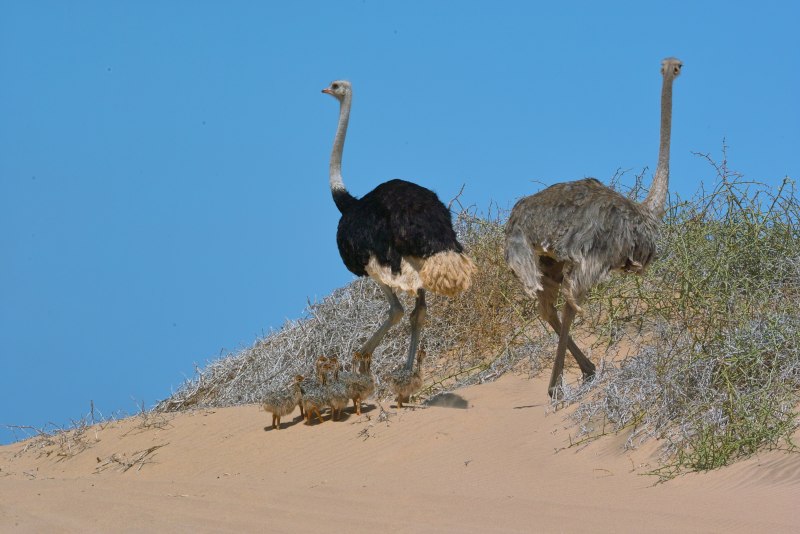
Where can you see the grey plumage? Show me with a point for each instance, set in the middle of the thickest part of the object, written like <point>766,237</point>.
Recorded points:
<point>405,382</point>
<point>572,235</point>
<point>315,393</point>
<point>282,402</point>
<point>315,399</point>
<point>360,384</point>
<point>611,233</point>
<point>338,396</point>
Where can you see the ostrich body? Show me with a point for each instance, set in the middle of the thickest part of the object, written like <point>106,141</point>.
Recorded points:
<point>572,235</point>
<point>400,234</point>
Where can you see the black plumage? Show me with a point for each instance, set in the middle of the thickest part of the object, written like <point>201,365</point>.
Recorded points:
<point>396,219</point>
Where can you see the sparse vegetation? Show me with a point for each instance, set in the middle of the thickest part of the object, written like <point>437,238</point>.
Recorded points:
<point>67,441</point>
<point>123,462</point>
<point>62,442</point>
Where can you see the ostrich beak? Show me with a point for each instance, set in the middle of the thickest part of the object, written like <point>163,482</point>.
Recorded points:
<point>327,92</point>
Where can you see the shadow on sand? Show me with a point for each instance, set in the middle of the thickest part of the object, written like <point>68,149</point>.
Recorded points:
<point>448,400</point>
<point>346,414</point>
<point>285,424</point>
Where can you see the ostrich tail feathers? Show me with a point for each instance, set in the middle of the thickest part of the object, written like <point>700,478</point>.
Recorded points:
<point>447,273</point>
<point>523,262</point>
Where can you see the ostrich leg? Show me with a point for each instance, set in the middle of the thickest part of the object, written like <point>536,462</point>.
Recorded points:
<point>547,311</point>
<point>417,322</point>
<point>394,317</point>
<point>586,365</point>
<point>567,315</point>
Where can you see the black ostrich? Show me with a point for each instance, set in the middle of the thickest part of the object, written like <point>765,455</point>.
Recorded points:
<point>400,234</point>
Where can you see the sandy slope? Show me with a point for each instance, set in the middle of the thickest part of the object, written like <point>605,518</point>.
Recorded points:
<point>493,461</point>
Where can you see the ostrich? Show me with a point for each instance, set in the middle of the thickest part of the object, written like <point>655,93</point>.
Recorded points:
<point>573,234</point>
<point>282,402</point>
<point>360,382</point>
<point>405,382</point>
<point>399,234</point>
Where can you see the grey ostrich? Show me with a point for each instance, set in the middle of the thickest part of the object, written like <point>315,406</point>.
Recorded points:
<point>399,234</point>
<point>573,234</point>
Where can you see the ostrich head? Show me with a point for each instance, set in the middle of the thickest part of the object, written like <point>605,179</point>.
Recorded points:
<point>671,66</point>
<point>338,89</point>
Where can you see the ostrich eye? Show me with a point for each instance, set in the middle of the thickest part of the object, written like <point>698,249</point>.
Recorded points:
<point>335,86</point>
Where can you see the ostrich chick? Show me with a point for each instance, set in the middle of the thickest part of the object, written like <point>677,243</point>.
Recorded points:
<point>315,392</point>
<point>360,384</point>
<point>338,396</point>
<point>282,401</point>
<point>404,382</point>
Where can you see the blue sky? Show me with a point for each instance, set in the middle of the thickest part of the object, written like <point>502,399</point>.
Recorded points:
<point>163,165</point>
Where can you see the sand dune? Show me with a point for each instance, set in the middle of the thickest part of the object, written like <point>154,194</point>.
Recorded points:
<point>489,458</point>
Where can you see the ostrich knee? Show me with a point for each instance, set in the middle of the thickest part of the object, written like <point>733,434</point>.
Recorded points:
<point>395,315</point>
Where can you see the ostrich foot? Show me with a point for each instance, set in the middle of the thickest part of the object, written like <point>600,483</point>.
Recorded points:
<point>555,393</point>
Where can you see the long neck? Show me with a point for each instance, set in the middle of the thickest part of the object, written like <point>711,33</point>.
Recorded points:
<point>341,197</point>
<point>657,196</point>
